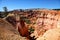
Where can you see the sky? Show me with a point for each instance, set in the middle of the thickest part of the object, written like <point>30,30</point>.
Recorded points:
<point>27,4</point>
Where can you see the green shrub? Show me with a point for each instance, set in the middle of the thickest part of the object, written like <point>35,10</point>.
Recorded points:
<point>26,20</point>
<point>31,30</point>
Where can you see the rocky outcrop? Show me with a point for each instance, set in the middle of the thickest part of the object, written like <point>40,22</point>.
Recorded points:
<point>41,20</point>
<point>7,32</point>
<point>53,34</point>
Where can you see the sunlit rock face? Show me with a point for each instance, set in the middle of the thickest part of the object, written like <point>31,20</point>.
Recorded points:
<point>52,34</point>
<point>46,21</point>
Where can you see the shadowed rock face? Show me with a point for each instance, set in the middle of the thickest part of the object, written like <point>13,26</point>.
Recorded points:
<point>20,26</point>
<point>7,32</point>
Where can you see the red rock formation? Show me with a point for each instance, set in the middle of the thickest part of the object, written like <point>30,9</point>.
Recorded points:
<point>45,20</point>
